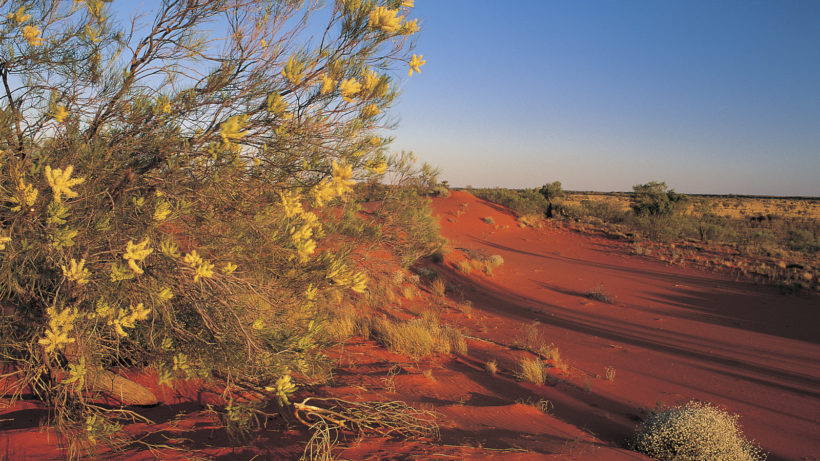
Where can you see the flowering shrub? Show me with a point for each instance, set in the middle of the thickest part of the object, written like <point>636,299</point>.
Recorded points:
<point>174,201</point>
<point>694,431</point>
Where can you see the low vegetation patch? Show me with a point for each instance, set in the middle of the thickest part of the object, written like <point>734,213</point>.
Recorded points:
<point>693,432</point>
<point>420,336</point>
<point>599,293</point>
<point>532,370</point>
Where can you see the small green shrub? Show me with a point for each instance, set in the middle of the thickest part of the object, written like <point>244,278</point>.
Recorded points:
<point>695,431</point>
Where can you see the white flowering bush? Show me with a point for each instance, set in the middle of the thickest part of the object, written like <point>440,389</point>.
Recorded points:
<point>695,431</point>
<point>187,202</point>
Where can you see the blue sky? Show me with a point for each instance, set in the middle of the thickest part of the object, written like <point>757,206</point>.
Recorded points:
<point>709,96</point>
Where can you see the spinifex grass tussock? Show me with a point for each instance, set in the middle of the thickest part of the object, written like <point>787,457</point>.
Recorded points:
<point>599,293</point>
<point>532,370</point>
<point>694,431</point>
<point>420,336</point>
<point>188,203</point>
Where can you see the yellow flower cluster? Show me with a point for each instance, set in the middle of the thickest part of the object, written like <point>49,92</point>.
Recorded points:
<point>294,70</point>
<point>278,106</point>
<point>60,114</point>
<point>349,88</point>
<point>302,236</point>
<point>291,203</point>
<point>233,129</point>
<point>169,249</point>
<point>228,268</point>
<point>341,275</point>
<point>385,19</point>
<point>284,388</point>
<point>59,325</point>
<point>127,318</point>
<point>202,268</point>
<point>370,111</point>
<point>137,252</point>
<point>32,35</point>
<point>376,166</point>
<point>26,195</point>
<point>416,61</point>
<point>3,241</point>
<point>340,184</point>
<point>76,272</point>
<point>61,182</point>
<point>162,210</point>
<point>20,15</point>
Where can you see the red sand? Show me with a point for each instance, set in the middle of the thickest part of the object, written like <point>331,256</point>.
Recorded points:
<point>672,334</point>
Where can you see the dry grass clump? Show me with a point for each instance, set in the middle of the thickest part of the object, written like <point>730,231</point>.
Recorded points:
<point>532,370</point>
<point>464,266</point>
<point>438,287</point>
<point>488,220</point>
<point>529,220</point>
<point>420,336</point>
<point>610,374</point>
<point>694,431</point>
<point>346,323</point>
<point>599,293</point>
<point>491,367</point>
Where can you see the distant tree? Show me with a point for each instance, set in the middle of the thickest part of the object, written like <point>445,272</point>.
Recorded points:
<point>654,199</point>
<point>553,193</point>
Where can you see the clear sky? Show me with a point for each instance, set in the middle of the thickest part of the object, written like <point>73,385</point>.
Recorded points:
<point>709,96</point>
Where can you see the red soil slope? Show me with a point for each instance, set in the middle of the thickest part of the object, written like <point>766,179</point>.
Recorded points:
<point>672,334</point>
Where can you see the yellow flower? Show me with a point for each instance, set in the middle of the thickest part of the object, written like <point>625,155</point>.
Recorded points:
<point>263,43</point>
<point>407,3</point>
<point>385,19</point>
<point>371,79</point>
<point>3,241</point>
<point>349,88</point>
<point>193,259</point>
<point>27,195</point>
<point>375,141</point>
<point>228,268</point>
<point>169,248</point>
<point>61,182</point>
<point>76,272</point>
<point>283,388</point>
<point>410,27</point>
<point>370,111</point>
<point>165,294</point>
<point>59,325</point>
<point>32,35</point>
<point>415,62</point>
<point>291,203</point>
<point>20,15</point>
<point>204,269</point>
<point>342,175</point>
<point>258,324</point>
<point>327,84</point>
<point>233,128</point>
<point>60,114</point>
<point>162,211</point>
<point>294,70</point>
<point>276,104</point>
<point>166,108</point>
<point>140,312</point>
<point>136,252</point>
<point>377,167</point>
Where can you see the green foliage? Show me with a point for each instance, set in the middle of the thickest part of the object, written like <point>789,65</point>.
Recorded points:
<point>695,431</point>
<point>523,202</point>
<point>185,202</point>
<point>653,199</point>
